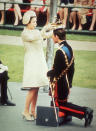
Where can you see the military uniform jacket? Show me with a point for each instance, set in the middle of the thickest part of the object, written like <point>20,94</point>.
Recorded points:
<point>62,59</point>
<point>3,74</point>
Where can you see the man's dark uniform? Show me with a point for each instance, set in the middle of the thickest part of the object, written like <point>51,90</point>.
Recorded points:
<point>3,84</point>
<point>62,75</point>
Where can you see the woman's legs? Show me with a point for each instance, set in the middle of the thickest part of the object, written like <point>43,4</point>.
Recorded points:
<point>31,98</point>
<point>16,18</point>
<point>48,15</point>
<point>61,13</point>
<point>93,21</point>
<point>65,17</point>
<point>79,19</point>
<point>34,101</point>
<point>18,15</point>
<point>73,19</point>
<point>2,17</point>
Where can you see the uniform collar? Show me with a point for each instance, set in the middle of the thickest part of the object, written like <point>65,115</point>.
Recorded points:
<point>62,43</point>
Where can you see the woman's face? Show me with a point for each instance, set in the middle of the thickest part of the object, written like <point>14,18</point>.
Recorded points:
<point>33,23</point>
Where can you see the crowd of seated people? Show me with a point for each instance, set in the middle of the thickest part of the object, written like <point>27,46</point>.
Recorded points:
<point>79,18</point>
<point>80,13</point>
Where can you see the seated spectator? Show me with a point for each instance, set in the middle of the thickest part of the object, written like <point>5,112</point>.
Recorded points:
<point>80,13</point>
<point>93,18</point>
<point>63,12</point>
<point>17,12</point>
<point>38,6</point>
<point>3,84</point>
<point>7,6</point>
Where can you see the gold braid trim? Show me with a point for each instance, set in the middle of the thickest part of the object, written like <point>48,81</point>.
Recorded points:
<point>53,83</point>
<point>66,60</point>
<point>68,65</point>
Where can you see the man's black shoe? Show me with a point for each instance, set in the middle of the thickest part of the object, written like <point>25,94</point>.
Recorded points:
<point>65,120</point>
<point>88,117</point>
<point>8,103</point>
<point>68,119</point>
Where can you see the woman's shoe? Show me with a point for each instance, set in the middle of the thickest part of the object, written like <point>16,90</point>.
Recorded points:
<point>80,28</point>
<point>33,114</point>
<point>1,22</point>
<point>27,116</point>
<point>91,29</point>
<point>73,28</point>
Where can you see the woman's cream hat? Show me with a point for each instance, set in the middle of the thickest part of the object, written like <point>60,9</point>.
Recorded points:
<point>27,16</point>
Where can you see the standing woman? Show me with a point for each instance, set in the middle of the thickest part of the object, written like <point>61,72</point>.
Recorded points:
<point>35,67</point>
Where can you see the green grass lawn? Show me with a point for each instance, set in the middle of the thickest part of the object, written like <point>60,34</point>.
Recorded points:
<point>12,56</point>
<point>75,37</point>
<point>85,65</point>
<point>85,69</point>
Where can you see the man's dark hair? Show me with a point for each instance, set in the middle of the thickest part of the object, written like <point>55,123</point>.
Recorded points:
<point>60,32</point>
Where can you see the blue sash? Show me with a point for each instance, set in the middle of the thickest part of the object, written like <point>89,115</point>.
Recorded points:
<point>66,50</point>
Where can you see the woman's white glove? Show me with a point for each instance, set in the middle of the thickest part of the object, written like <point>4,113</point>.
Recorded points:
<point>47,31</point>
